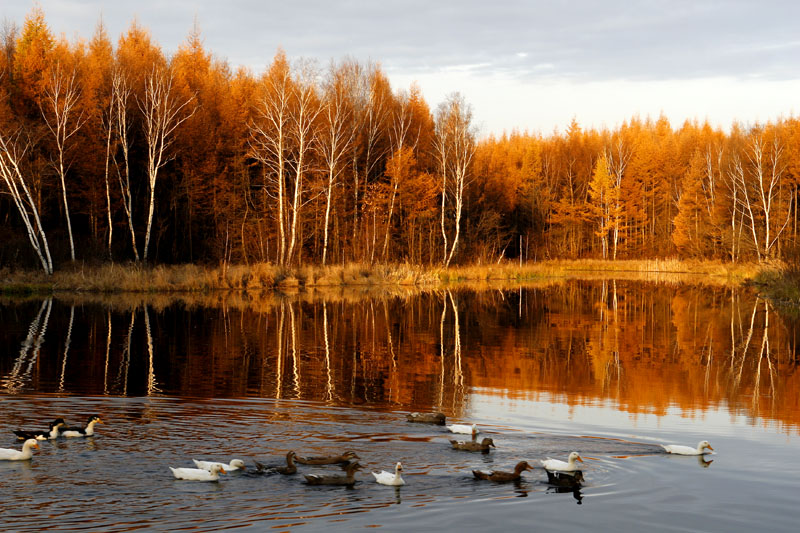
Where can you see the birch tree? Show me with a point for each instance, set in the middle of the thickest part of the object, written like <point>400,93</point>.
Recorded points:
<point>454,147</point>
<point>120,96</point>
<point>163,111</point>
<point>304,114</point>
<point>269,138</point>
<point>617,158</point>
<point>13,150</point>
<point>334,140</point>
<point>59,109</point>
<point>399,136</point>
<point>758,179</point>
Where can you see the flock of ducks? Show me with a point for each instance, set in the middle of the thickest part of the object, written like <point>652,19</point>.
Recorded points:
<point>58,428</point>
<point>556,469</point>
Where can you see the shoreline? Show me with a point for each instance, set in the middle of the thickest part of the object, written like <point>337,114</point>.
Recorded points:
<point>137,278</point>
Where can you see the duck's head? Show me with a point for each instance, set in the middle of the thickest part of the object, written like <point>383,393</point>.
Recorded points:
<point>575,456</point>
<point>217,469</point>
<point>704,445</point>
<point>31,443</point>
<point>350,455</point>
<point>352,467</point>
<point>399,466</point>
<point>94,419</point>
<point>58,422</point>
<point>523,465</point>
<point>488,442</point>
<point>290,456</point>
<point>237,463</point>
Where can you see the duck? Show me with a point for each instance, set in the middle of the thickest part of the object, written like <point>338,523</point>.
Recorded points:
<point>427,418</point>
<point>498,475</point>
<point>88,431</point>
<point>235,464</point>
<point>8,454</point>
<point>51,433</point>
<point>472,446</point>
<point>561,466</point>
<point>290,467</point>
<point>464,429</point>
<point>199,474</point>
<point>677,449</point>
<point>348,479</point>
<point>328,459</point>
<point>387,478</point>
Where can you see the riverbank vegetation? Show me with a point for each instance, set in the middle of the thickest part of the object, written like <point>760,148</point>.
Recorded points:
<point>131,277</point>
<point>119,153</point>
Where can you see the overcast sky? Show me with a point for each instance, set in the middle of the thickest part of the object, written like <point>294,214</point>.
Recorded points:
<point>527,65</point>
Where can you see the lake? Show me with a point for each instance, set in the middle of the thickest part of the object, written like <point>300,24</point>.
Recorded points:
<point>608,368</point>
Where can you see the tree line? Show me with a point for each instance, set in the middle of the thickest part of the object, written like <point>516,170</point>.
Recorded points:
<point>121,152</point>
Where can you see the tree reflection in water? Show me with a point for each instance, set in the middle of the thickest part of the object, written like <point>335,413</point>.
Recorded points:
<point>644,347</point>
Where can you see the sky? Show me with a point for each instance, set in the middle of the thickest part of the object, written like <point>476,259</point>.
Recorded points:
<point>525,65</point>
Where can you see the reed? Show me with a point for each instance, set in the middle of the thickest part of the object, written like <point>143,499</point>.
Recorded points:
<point>264,276</point>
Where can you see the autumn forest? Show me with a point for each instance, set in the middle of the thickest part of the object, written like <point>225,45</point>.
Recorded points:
<point>115,150</point>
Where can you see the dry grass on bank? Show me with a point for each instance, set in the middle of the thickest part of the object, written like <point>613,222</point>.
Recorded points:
<point>262,276</point>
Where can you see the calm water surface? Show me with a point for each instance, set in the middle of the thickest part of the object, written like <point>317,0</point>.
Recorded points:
<point>610,369</point>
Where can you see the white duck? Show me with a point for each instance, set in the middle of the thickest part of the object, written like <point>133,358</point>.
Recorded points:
<point>8,454</point>
<point>387,478</point>
<point>464,429</point>
<point>198,474</point>
<point>677,449</point>
<point>235,464</point>
<point>561,466</point>
<point>88,431</point>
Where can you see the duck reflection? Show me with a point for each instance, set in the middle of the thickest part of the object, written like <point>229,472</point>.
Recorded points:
<point>701,460</point>
<point>563,482</point>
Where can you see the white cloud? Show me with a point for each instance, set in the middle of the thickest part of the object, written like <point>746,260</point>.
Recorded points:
<point>504,103</point>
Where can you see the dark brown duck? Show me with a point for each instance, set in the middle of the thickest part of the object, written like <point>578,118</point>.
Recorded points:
<point>499,475</point>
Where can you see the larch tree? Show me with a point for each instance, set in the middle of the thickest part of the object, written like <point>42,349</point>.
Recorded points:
<point>602,198</point>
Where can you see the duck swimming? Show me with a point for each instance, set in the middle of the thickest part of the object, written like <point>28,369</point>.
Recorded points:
<point>498,475</point>
<point>198,474</point>
<point>234,465</point>
<point>289,469</point>
<point>561,466</point>
<point>464,429</point>
<point>677,449</point>
<point>348,479</point>
<point>88,431</point>
<point>51,433</point>
<point>387,478</point>
<point>328,459</point>
<point>472,446</point>
<point>7,454</point>
<point>427,418</point>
